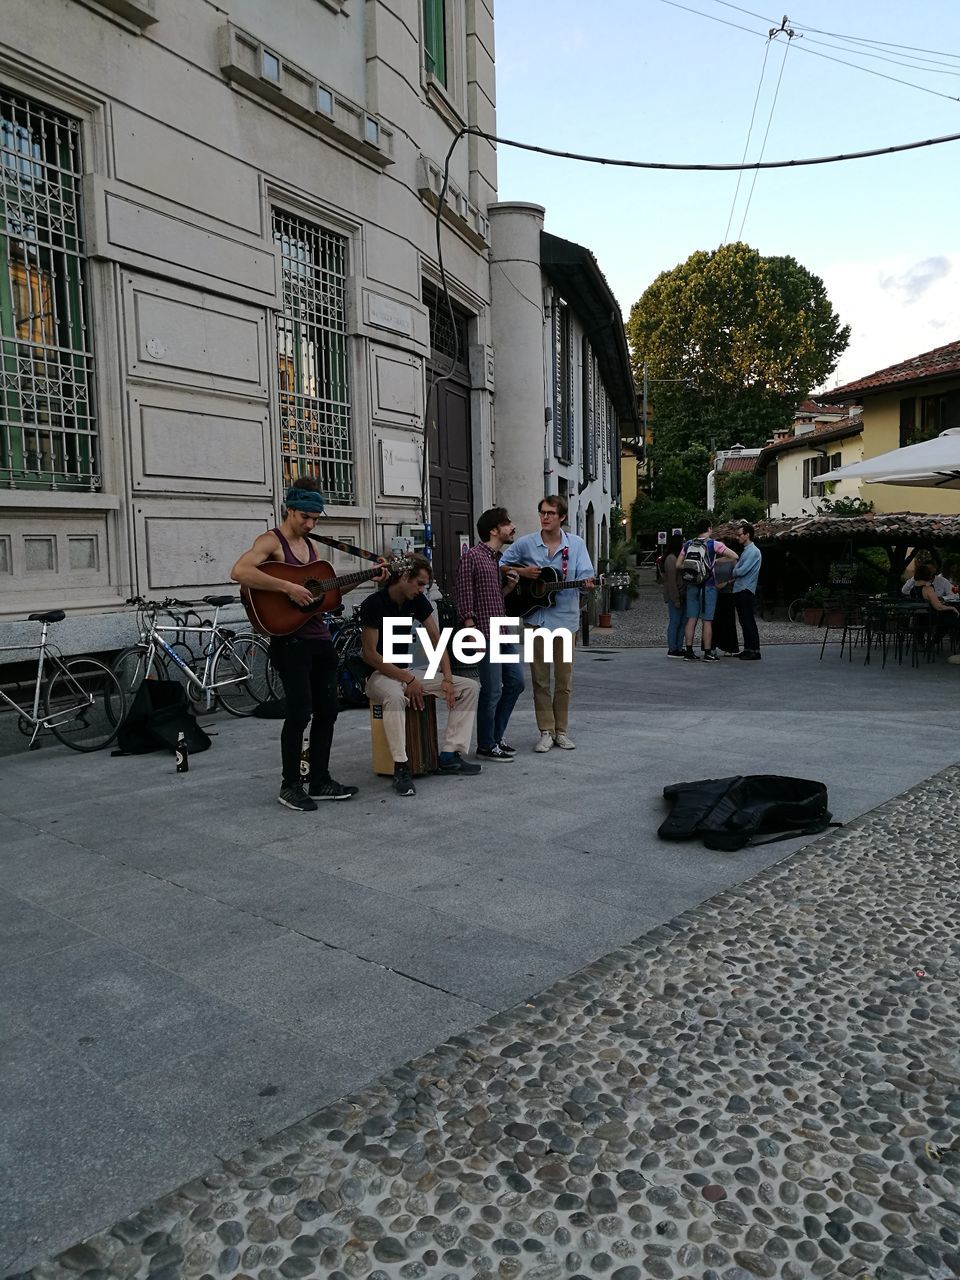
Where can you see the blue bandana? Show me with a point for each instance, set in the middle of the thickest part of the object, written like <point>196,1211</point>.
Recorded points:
<point>304,500</point>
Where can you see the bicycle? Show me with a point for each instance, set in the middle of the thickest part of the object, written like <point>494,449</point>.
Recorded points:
<point>351,671</point>
<point>236,670</point>
<point>83,701</point>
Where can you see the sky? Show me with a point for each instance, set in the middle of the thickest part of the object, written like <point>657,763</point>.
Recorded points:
<point>648,80</point>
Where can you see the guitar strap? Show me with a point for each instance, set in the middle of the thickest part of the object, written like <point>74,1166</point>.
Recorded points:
<point>347,547</point>
<point>565,560</point>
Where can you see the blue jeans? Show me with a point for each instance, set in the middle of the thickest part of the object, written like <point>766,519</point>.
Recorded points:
<point>501,684</point>
<point>675,617</point>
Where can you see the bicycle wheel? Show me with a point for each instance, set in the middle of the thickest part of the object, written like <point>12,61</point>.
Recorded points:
<point>242,674</point>
<point>131,669</point>
<point>795,609</point>
<point>86,702</point>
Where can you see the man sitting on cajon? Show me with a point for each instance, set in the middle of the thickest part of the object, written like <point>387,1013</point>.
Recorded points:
<point>396,687</point>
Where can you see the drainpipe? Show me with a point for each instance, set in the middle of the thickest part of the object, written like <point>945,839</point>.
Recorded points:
<point>711,488</point>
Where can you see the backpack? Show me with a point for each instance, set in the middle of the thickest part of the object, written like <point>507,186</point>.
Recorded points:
<point>725,813</point>
<point>157,716</point>
<point>698,561</point>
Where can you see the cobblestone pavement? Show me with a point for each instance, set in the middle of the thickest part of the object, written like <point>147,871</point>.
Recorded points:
<point>644,625</point>
<point>769,1086</point>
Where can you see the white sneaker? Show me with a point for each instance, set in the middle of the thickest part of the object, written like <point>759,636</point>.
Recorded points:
<point>561,740</point>
<point>545,743</point>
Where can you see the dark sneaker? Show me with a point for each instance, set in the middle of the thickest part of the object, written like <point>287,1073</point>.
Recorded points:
<point>402,782</point>
<point>710,655</point>
<point>457,764</point>
<point>332,790</point>
<point>674,653</point>
<point>494,753</point>
<point>507,751</point>
<point>294,797</point>
<point>690,656</point>
<point>749,656</point>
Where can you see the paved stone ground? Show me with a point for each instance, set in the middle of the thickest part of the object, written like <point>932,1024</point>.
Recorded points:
<point>768,1086</point>
<point>186,968</point>
<point>644,624</point>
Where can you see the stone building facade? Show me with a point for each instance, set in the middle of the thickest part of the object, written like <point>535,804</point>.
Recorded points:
<point>218,267</point>
<point>564,386</point>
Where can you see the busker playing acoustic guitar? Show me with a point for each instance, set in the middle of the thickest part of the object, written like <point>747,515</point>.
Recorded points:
<point>306,660</point>
<point>566,553</point>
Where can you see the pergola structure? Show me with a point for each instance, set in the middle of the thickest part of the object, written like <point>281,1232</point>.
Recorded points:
<point>803,548</point>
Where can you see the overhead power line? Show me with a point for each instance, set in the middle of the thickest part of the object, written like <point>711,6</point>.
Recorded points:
<point>816,53</point>
<point>838,35</point>
<point>746,145</point>
<point>763,145</point>
<point>475,132</point>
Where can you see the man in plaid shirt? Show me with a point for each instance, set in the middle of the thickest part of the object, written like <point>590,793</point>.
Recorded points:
<point>480,592</point>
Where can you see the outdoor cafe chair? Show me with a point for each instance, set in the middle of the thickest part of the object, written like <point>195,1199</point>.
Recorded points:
<point>847,616</point>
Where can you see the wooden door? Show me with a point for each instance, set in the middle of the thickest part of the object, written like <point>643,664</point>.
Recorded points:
<point>451,478</point>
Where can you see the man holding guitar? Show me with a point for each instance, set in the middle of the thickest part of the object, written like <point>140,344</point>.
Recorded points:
<point>566,554</point>
<point>305,658</point>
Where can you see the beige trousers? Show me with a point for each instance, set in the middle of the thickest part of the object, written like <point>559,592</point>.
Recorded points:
<point>460,718</point>
<point>552,708</point>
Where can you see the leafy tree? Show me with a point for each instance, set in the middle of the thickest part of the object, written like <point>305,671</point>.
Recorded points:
<point>739,497</point>
<point>733,343</point>
<point>743,507</point>
<point>647,517</point>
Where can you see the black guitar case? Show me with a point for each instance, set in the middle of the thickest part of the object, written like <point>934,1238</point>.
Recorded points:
<point>726,813</point>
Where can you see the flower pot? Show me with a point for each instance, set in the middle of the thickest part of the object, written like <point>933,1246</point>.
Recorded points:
<point>812,615</point>
<point>604,620</point>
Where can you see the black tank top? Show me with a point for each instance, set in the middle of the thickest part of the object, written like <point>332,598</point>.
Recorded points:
<point>315,628</point>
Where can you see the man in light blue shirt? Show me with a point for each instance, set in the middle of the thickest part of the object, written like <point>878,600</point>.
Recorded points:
<point>745,574</point>
<point>567,554</point>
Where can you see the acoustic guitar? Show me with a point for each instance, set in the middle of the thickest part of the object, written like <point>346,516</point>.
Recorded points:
<point>539,593</point>
<point>272,613</point>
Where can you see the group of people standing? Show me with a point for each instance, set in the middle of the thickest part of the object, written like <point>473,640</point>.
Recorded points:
<point>489,571</point>
<point>720,593</point>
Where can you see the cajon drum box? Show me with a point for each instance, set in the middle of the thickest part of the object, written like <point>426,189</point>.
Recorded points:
<point>421,740</point>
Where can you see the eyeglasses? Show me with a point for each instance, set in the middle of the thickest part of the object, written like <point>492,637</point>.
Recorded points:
<point>549,513</point>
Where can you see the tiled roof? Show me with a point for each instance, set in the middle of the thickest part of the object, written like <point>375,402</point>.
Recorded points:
<point>835,431</point>
<point>737,462</point>
<point>938,363</point>
<point>901,526</point>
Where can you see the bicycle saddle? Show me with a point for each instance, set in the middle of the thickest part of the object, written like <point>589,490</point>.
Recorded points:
<point>55,615</point>
<point>215,601</point>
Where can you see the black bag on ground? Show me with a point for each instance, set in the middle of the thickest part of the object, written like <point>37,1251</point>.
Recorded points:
<point>157,716</point>
<point>725,813</point>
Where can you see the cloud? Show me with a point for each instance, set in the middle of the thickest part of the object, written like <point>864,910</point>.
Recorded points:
<point>883,329</point>
<point>913,283</point>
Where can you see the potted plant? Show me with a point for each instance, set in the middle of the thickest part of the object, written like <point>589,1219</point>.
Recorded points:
<point>604,618</point>
<point>813,603</point>
<point>622,580</point>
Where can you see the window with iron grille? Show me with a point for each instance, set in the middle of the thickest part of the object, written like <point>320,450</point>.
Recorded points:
<point>48,427</point>
<point>316,435</point>
<point>447,337</point>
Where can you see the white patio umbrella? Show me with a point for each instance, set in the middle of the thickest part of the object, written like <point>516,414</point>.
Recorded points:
<point>931,464</point>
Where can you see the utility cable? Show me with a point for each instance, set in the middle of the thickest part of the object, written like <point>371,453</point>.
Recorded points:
<point>746,145</point>
<point>815,52</point>
<point>763,145</point>
<point>476,132</point>
<point>836,35</point>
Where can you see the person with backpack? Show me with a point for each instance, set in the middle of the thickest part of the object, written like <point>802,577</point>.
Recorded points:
<point>695,565</point>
